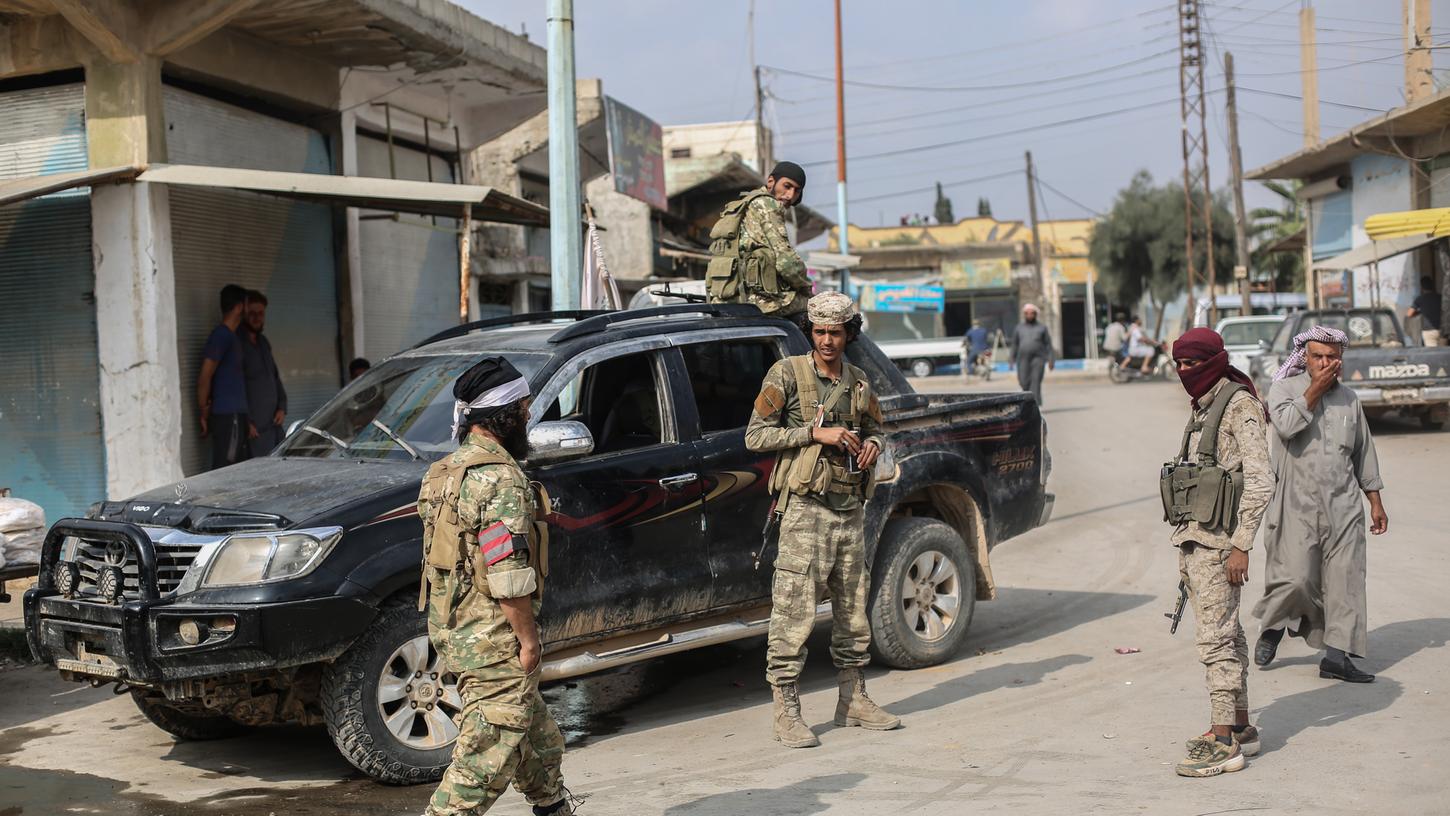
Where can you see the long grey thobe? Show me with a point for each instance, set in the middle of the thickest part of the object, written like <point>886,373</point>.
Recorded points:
<point>1314,534</point>
<point>1031,351</point>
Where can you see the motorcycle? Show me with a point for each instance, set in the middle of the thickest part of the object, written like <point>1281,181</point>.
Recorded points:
<point>1160,368</point>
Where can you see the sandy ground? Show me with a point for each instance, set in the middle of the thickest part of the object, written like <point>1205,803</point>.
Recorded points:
<point>1037,714</point>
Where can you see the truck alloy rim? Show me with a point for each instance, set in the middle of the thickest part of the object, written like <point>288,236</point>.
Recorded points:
<point>931,594</point>
<point>417,698</point>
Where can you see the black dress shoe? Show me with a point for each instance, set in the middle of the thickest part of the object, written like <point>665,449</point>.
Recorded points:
<point>1343,670</point>
<point>1267,647</point>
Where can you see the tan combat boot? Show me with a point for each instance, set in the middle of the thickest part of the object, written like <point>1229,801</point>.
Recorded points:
<point>790,730</point>
<point>855,708</point>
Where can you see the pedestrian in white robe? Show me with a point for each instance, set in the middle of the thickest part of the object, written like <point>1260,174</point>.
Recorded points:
<point>1323,459</point>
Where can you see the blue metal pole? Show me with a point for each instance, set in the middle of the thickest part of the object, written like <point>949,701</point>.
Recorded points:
<point>565,229</point>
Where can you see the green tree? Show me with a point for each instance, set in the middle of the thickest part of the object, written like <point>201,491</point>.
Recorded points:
<point>1268,226</point>
<point>1138,248</point>
<point>984,208</point>
<point>943,207</point>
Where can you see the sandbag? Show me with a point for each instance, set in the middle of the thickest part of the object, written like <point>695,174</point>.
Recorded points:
<point>19,514</point>
<point>23,546</point>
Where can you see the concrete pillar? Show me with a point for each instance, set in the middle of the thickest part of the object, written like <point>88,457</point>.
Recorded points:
<point>140,387</point>
<point>354,340</point>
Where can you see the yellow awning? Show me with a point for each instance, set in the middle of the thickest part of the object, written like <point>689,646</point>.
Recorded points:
<point>1411,222</point>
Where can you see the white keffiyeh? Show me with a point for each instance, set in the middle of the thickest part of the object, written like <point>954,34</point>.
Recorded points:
<point>1294,364</point>
<point>510,392</point>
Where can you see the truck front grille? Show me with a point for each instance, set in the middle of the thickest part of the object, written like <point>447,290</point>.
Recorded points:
<point>172,562</point>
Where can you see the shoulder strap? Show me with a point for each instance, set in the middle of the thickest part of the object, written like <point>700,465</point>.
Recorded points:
<point>806,387</point>
<point>1208,439</point>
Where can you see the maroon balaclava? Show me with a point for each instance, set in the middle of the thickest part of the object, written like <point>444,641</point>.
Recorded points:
<point>1206,345</point>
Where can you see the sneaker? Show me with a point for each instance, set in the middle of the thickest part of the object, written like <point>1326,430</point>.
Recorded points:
<point>1248,740</point>
<point>1209,757</point>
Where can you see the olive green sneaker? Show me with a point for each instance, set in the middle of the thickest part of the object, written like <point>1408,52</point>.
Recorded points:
<point>1209,757</point>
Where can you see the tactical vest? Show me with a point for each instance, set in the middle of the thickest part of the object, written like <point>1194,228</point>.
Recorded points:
<point>811,470</point>
<point>730,277</point>
<point>449,546</point>
<point>1202,491</point>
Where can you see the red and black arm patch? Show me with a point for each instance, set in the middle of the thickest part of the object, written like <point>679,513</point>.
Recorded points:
<point>498,542</point>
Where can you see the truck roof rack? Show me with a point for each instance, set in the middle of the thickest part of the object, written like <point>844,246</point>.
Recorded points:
<point>599,321</point>
<point>508,320</point>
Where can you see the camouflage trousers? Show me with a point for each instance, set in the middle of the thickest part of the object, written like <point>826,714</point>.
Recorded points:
<point>505,734</point>
<point>1221,644</point>
<point>822,552</point>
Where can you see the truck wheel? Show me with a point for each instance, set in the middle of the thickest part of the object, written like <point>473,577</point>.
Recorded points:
<point>1433,419</point>
<point>922,368</point>
<point>389,705</point>
<point>923,593</point>
<point>184,725</point>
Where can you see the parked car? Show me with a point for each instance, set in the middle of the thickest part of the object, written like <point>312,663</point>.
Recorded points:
<point>925,357</point>
<point>1247,337</point>
<point>1388,369</point>
<point>284,589</point>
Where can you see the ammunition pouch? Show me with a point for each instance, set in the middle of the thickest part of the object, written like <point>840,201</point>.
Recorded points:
<point>1201,491</point>
<point>813,469</point>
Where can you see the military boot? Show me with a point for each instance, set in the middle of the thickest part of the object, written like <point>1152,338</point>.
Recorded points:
<point>790,730</point>
<point>855,708</point>
<point>559,808</point>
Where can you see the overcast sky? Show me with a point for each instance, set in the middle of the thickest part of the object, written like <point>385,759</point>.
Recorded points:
<point>1089,86</point>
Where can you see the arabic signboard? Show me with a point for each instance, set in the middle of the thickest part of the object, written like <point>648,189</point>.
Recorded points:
<point>984,273</point>
<point>636,153</point>
<point>902,297</point>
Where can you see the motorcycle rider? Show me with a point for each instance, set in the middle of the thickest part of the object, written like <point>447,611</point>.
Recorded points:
<point>1141,345</point>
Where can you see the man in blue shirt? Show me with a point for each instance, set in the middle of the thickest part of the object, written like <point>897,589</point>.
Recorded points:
<point>221,388</point>
<point>978,341</point>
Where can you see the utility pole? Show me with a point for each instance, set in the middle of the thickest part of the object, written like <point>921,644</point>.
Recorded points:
<point>841,217</point>
<point>565,229</point>
<point>762,161</point>
<point>1236,167</point>
<point>1030,290</point>
<point>1194,132</point>
<point>1419,80</point>
<point>1309,72</point>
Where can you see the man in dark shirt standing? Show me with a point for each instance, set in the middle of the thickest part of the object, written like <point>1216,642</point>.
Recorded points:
<point>221,390</point>
<point>1031,351</point>
<point>266,398</point>
<point>1427,307</point>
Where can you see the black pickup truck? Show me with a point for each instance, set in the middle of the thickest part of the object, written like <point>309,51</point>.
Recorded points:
<point>284,589</point>
<point>1388,369</point>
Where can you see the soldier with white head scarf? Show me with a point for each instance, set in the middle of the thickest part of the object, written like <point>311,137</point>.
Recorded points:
<point>1323,459</point>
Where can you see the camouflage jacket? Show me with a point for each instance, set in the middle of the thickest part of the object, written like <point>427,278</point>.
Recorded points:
<point>1242,440</point>
<point>466,626</point>
<point>763,228</point>
<point>776,422</point>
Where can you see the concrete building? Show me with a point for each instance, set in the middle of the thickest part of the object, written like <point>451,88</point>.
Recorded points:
<point>977,261</point>
<point>744,139</point>
<point>152,152</point>
<point>1394,162</point>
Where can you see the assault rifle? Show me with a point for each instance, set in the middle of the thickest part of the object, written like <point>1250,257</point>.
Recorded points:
<point>1177,614</point>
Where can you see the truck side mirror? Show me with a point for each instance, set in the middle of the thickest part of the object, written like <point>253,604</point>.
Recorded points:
<point>558,440</point>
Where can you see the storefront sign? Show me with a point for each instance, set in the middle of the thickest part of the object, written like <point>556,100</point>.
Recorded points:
<point>636,154</point>
<point>902,297</point>
<point>985,273</point>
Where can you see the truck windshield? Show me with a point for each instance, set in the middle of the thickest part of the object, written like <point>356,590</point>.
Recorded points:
<point>402,407</point>
<point>1365,328</point>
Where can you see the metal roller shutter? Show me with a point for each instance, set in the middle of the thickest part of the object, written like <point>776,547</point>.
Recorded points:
<point>51,448</point>
<point>281,248</point>
<point>409,264</point>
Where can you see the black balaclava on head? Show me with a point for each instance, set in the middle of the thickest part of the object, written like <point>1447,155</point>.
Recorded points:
<point>795,173</point>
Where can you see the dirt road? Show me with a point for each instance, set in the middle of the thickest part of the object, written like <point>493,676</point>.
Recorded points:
<point>1037,714</point>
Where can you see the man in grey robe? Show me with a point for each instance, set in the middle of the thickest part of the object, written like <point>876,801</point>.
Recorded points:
<point>1031,351</point>
<point>1323,458</point>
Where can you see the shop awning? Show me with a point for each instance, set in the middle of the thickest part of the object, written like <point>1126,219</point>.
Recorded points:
<point>1373,251</point>
<point>420,197</point>
<point>1411,222</point>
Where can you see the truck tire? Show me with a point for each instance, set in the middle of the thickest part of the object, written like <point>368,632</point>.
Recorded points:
<point>389,705</point>
<point>923,593</point>
<point>184,725</point>
<point>922,367</point>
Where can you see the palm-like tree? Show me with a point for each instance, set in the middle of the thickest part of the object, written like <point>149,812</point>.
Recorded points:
<point>1267,226</point>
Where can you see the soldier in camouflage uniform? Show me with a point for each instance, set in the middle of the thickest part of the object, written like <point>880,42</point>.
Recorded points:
<point>754,261</point>
<point>818,411</point>
<point>1213,561</point>
<point>483,570</point>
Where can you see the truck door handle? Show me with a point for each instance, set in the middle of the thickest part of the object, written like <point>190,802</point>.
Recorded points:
<point>678,481</point>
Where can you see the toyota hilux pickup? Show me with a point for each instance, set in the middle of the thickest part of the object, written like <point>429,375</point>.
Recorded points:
<point>284,589</point>
<point>1388,369</point>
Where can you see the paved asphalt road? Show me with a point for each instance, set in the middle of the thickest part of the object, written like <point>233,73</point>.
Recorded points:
<point>1037,714</point>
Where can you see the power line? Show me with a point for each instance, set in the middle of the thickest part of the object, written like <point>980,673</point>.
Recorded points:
<point>1373,60</point>
<point>1015,131</point>
<point>929,189</point>
<point>1069,199</point>
<point>974,88</point>
<point>1317,16</point>
<point>1282,95</point>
